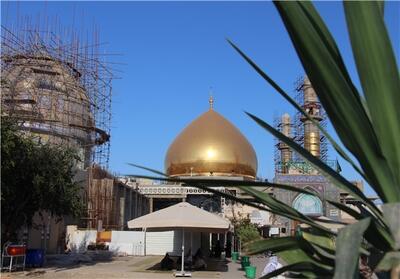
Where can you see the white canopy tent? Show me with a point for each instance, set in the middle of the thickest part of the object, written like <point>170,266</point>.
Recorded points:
<point>182,216</point>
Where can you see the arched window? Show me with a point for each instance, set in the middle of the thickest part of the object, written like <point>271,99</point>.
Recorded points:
<point>308,204</point>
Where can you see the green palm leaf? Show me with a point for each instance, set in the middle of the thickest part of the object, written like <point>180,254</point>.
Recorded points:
<point>380,81</point>
<point>347,244</point>
<point>292,256</point>
<point>391,214</point>
<point>389,261</point>
<point>148,169</point>
<point>274,245</point>
<point>299,267</point>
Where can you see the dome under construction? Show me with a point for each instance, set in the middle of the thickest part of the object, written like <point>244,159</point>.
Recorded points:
<point>56,93</point>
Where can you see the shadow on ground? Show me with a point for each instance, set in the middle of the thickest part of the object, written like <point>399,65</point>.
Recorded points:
<point>153,264</point>
<point>75,260</point>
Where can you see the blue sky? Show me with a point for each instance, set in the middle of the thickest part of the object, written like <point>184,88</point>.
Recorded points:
<point>173,52</point>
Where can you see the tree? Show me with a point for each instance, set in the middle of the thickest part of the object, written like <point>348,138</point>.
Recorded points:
<point>243,228</point>
<point>34,178</point>
<point>246,231</point>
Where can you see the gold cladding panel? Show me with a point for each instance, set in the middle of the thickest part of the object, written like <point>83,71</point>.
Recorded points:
<point>211,144</point>
<point>312,143</point>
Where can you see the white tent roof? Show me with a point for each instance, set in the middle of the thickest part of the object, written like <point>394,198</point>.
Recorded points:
<point>181,215</point>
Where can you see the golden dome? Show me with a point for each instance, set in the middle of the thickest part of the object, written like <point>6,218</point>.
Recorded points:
<point>211,145</point>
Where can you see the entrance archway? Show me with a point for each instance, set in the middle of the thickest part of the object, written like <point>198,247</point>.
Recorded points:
<point>308,204</point>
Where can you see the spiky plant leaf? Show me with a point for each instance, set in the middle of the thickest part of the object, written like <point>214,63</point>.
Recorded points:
<point>283,209</point>
<point>335,145</point>
<point>327,243</point>
<point>271,205</point>
<point>296,255</point>
<point>379,76</point>
<point>337,93</point>
<point>339,180</point>
<point>352,212</point>
<point>226,183</point>
<point>272,244</point>
<point>148,169</point>
<point>298,268</point>
<point>391,213</point>
<point>377,233</point>
<point>389,261</point>
<point>347,249</point>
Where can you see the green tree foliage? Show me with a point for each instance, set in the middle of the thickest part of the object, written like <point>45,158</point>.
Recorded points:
<point>34,178</point>
<point>245,230</point>
<point>248,232</point>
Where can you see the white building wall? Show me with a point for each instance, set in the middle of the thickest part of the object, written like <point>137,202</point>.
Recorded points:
<point>127,243</point>
<point>159,243</point>
<point>132,242</point>
<point>78,240</point>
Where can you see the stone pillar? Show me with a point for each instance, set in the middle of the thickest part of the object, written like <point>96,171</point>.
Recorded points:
<point>151,204</point>
<point>131,208</point>
<point>121,212</point>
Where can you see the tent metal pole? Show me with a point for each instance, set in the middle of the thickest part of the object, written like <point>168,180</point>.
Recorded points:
<point>144,250</point>
<point>183,250</point>
<point>191,245</point>
<point>225,241</point>
<point>182,273</point>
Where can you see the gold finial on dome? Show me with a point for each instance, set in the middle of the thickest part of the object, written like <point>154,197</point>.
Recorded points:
<point>211,99</point>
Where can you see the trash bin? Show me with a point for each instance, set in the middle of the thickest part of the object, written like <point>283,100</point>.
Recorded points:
<point>250,271</point>
<point>245,261</point>
<point>235,256</point>
<point>34,257</point>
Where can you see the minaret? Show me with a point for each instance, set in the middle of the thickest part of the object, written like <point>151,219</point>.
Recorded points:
<point>286,152</point>
<point>313,107</point>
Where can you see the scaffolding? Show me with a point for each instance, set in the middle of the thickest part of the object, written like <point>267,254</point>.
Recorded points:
<point>110,202</point>
<point>297,132</point>
<point>58,86</point>
<point>283,155</point>
<point>299,136</point>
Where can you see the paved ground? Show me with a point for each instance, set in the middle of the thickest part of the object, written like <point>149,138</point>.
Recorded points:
<point>105,266</point>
